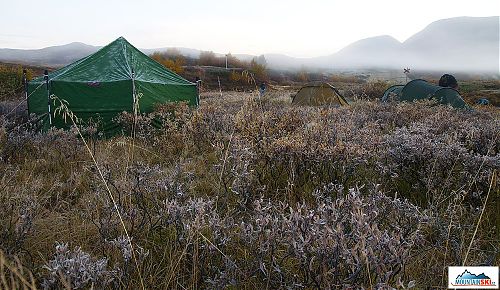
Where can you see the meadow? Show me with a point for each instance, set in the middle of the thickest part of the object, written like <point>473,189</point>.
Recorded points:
<point>247,192</point>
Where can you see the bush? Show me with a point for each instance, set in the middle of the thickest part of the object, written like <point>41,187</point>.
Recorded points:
<point>372,90</point>
<point>11,81</point>
<point>246,192</point>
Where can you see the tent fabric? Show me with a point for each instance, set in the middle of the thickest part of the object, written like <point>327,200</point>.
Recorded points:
<point>422,90</point>
<point>319,94</point>
<point>101,85</point>
<point>392,91</point>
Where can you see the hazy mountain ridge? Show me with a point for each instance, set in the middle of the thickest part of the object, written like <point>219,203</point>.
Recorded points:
<point>51,56</point>
<point>377,51</point>
<point>461,43</point>
<point>456,42</point>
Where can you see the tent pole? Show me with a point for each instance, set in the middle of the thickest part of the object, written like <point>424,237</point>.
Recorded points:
<point>198,88</point>
<point>46,78</point>
<point>220,88</point>
<point>25,84</point>
<point>134,108</point>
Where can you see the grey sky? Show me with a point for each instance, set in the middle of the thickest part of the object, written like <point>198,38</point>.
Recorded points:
<point>296,28</point>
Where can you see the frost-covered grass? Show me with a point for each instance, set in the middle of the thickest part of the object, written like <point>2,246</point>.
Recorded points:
<point>250,193</point>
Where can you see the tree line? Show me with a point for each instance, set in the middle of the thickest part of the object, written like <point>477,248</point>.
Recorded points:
<point>177,62</point>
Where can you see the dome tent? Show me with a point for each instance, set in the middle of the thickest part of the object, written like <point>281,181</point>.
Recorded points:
<point>421,90</point>
<point>319,94</point>
<point>392,91</point>
<point>106,83</point>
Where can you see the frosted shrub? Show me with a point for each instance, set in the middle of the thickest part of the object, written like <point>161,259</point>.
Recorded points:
<point>255,193</point>
<point>347,240</point>
<point>76,269</point>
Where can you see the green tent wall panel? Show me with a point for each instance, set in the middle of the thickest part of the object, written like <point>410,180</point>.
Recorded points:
<point>417,90</point>
<point>89,103</point>
<point>451,97</point>
<point>151,94</point>
<point>100,86</point>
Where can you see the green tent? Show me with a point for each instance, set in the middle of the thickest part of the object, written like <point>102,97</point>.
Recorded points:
<point>319,94</point>
<point>392,91</point>
<point>106,83</point>
<point>422,90</point>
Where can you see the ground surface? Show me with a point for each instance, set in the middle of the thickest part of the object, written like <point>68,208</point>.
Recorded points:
<point>248,192</point>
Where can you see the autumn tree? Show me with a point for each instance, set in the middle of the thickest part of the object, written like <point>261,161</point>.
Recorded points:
<point>173,62</point>
<point>233,61</point>
<point>302,75</point>
<point>261,59</point>
<point>11,81</point>
<point>208,58</point>
<point>258,66</point>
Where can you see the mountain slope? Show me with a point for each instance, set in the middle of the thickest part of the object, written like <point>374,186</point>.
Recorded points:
<point>470,43</point>
<point>455,44</point>
<point>51,56</point>
<point>368,52</point>
<point>458,44</point>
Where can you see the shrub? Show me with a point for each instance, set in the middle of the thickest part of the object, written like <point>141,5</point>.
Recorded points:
<point>246,192</point>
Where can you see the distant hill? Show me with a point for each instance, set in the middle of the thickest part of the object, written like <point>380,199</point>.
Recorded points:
<point>368,52</point>
<point>455,44</point>
<point>55,56</point>
<point>468,43</point>
<point>49,56</point>
<point>371,52</point>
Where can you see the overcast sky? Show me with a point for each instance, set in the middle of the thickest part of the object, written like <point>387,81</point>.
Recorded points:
<point>298,28</point>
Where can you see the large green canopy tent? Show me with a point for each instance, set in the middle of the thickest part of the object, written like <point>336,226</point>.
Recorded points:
<point>106,83</point>
<point>422,90</point>
<point>319,94</point>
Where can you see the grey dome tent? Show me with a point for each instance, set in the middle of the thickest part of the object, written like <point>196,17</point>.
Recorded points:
<point>319,94</point>
<point>422,90</point>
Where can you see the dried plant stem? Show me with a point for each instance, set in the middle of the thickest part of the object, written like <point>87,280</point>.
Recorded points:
<point>368,271</point>
<point>184,252</point>
<point>65,111</point>
<point>480,217</point>
<point>130,153</point>
<point>224,164</point>
<point>114,203</point>
<point>13,270</point>
<point>218,250</point>
<point>447,242</point>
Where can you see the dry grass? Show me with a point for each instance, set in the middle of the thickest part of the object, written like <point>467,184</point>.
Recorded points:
<point>250,192</point>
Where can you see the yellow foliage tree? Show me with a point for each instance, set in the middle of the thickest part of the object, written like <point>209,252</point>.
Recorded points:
<point>235,77</point>
<point>174,63</point>
<point>259,69</point>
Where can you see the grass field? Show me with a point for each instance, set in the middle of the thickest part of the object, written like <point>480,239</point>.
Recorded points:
<point>247,193</point>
